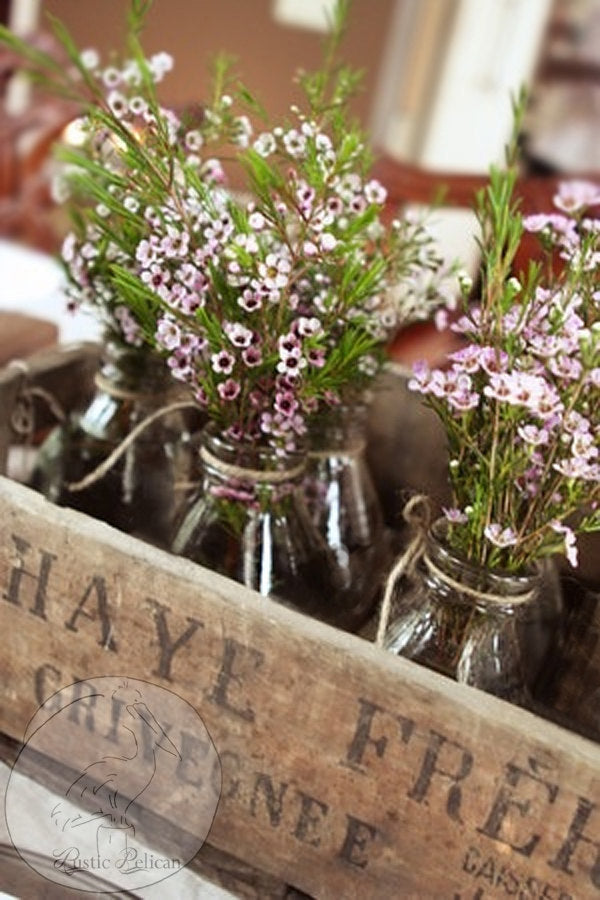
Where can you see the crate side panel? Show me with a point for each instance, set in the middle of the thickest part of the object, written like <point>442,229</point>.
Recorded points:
<point>346,771</point>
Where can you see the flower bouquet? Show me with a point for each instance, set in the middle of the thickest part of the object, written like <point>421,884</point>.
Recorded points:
<point>270,303</point>
<point>521,409</point>
<point>100,185</point>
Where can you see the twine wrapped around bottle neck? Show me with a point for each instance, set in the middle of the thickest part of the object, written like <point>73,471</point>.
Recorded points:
<point>22,419</point>
<point>478,594</point>
<point>243,473</point>
<point>417,513</point>
<point>228,469</point>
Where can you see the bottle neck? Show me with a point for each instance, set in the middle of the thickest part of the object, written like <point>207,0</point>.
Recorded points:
<point>225,460</point>
<point>491,589</point>
<point>341,429</point>
<point>133,373</point>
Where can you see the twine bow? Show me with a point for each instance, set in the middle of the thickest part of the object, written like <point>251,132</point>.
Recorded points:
<point>417,514</point>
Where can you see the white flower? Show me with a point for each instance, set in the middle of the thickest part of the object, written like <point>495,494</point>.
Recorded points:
<point>375,192</point>
<point>257,221</point>
<point>291,366</point>
<point>323,143</point>
<point>238,334</point>
<point>454,515</point>
<point>222,362</point>
<point>69,247</point>
<point>575,195</point>
<point>89,58</point>
<point>295,143</point>
<point>570,545</point>
<point>309,249</point>
<point>265,144</point>
<point>138,106</point>
<point>118,103</point>
<point>243,131</point>
<point>168,334</point>
<point>111,76</point>
<point>160,64</point>
<point>275,271</point>
<point>308,326</point>
<point>130,203</point>
<point>289,346</point>
<point>327,241</point>
<point>501,537</point>
<point>531,434</point>
<point>194,140</point>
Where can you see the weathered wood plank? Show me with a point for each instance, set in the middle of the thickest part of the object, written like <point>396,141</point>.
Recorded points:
<point>346,771</point>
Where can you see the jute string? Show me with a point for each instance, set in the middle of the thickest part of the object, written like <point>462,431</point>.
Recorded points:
<point>241,473</point>
<point>107,464</point>
<point>227,469</point>
<point>22,418</point>
<point>417,513</point>
<point>485,596</point>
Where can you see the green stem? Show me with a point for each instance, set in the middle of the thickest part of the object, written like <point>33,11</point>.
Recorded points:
<point>532,512</point>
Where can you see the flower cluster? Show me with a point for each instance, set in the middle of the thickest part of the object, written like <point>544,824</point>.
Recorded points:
<point>520,399</point>
<point>273,304</point>
<point>131,149</point>
<point>269,301</point>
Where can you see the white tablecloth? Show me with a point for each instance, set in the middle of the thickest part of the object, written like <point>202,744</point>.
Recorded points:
<point>182,885</point>
<point>33,283</point>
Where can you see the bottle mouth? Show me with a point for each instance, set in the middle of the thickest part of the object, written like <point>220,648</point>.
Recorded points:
<point>340,430</point>
<point>130,372</point>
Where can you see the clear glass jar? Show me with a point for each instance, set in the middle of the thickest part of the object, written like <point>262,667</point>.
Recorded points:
<point>344,504</point>
<point>490,629</point>
<point>250,522</point>
<point>142,492</point>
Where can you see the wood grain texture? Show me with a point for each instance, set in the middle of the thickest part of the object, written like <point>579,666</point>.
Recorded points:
<point>347,772</point>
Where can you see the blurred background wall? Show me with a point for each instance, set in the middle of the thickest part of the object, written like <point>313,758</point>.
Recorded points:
<point>268,50</point>
<point>438,75</point>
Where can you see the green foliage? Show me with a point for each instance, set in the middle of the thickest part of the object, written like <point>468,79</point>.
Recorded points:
<point>520,403</point>
<point>271,301</point>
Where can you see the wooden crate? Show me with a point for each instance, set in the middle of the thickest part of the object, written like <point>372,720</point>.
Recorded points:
<point>65,373</point>
<point>347,772</point>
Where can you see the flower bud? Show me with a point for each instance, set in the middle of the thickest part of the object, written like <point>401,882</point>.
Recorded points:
<point>465,281</point>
